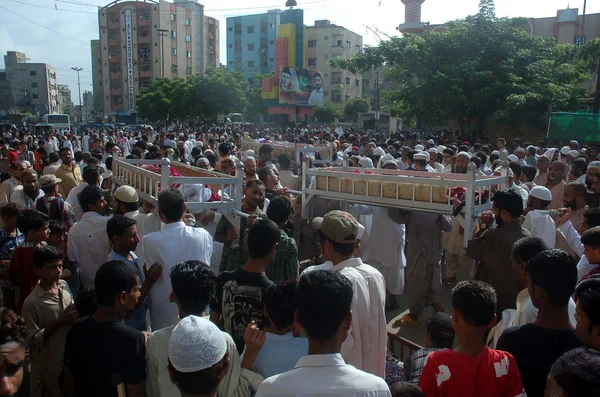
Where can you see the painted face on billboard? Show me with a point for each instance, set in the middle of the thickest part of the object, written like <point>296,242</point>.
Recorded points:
<point>285,81</point>
<point>318,82</point>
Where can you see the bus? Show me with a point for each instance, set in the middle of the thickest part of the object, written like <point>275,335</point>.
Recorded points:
<point>58,121</point>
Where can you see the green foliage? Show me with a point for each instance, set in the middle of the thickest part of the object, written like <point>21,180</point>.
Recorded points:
<point>204,97</point>
<point>326,113</point>
<point>481,69</point>
<point>355,106</point>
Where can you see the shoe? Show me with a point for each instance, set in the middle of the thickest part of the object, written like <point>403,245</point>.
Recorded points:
<point>449,280</point>
<point>406,321</point>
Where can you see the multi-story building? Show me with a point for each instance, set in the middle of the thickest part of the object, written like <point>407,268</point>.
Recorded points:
<point>326,41</point>
<point>31,86</point>
<point>64,98</point>
<point>145,40</point>
<point>251,43</point>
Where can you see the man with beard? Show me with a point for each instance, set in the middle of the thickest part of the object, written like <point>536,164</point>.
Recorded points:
<point>592,197</point>
<point>491,248</point>
<point>578,172</point>
<point>316,96</point>
<point>574,198</point>
<point>542,165</point>
<point>462,161</point>
<point>52,204</point>
<point>556,184</point>
<point>27,194</point>
<point>68,172</point>
<point>9,186</point>
<point>249,168</point>
<point>233,253</point>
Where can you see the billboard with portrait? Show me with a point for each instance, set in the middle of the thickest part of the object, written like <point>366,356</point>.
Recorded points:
<point>300,87</point>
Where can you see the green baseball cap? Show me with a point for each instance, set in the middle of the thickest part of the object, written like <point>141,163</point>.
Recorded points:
<point>338,226</point>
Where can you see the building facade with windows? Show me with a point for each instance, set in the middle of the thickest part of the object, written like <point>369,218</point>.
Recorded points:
<point>64,97</point>
<point>326,41</point>
<point>251,43</point>
<point>141,41</point>
<point>29,86</point>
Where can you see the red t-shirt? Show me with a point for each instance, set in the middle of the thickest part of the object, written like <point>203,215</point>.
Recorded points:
<point>12,156</point>
<point>21,273</point>
<point>493,373</point>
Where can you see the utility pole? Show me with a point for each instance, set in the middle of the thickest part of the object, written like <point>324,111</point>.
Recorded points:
<point>582,41</point>
<point>162,33</point>
<point>378,93</point>
<point>79,88</point>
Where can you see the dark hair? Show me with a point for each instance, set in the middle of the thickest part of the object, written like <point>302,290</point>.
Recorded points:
<point>109,145</point>
<point>90,175</point>
<point>475,301</point>
<point>510,201</point>
<point>11,209</point>
<point>194,284</point>
<point>212,159</point>
<point>284,161</point>
<point>280,209</point>
<point>56,227</point>
<point>587,294</point>
<point>171,203</point>
<point>28,220</point>
<point>263,173</point>
<point>593,217</point>
<point>117,225</point>
<point>112,278</point>
<point>579,189</point>
<point>482,156</point>
<point>576,372</point>
<point>529,171</point>
<point>317,74</point>
<point>516,169</point>
<point>556,272</point>
<point>253,182</point>
<point>199,383</point>
<point>591,237</point>
<point>265,148</point>
<point>494,157</point>
<point>86,302</point>
<point>263,234</point>
<point>405,389</point>
<point>225,148</point>
<point>528,247</point>
<point>90,196</point>
<point>476,160</point>
<point>196,152</point>
<point>108,162</point>
<point>323,301</point>
<point>579,164</point>
<point>12,327</point>
<point>78,156</point>
<point>280,302</point>
<point>53,157</point>
<point>345,250</point>
<point>45,254</point>
<point>411,155</point>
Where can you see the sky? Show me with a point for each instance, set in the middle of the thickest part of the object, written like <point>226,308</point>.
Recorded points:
<point>58,32</point>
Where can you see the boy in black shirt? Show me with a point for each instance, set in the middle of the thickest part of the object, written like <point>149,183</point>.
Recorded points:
<point>103,356</point>
<point>240,293</point>
<point>552,276</point>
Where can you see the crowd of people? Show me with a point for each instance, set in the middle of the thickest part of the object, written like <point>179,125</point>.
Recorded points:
<point>107,294</point>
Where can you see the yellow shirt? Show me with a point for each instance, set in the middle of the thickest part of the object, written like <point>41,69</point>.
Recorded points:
<point>71,177</point>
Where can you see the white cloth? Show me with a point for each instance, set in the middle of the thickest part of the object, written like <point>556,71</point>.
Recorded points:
<point>540,224</point>
<point>19,197</point>
<point>73,199</point>
<point>574,240</point>
<point>7,189</point>
<point>323,266</point>
<point>316,97</point>
<point>385,250</point>
<point>448,168</point>
<point>51,169</point>
<point>339,131</point>
<point>439,168</point>
<point>88,245</point>
<point>522,192</point>
<point>324,375</point>
<point>85,143</point>
<point>176,243</point>
<point>365,346</point>
<point>146,223</point>
<point>289,180</point>
<point>238,382</point>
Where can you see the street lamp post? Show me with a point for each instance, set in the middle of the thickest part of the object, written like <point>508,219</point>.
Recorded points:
<point>79,88</point>
<point>162,33</point>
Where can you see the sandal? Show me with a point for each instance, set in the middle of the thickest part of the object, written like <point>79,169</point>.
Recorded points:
<point>406,321</point>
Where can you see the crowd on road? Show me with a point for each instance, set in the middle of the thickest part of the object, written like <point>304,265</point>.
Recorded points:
<point>107,294</point>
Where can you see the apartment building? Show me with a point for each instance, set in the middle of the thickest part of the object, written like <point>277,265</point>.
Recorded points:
<point>327,41</point>
<point>251,43</point>
<point>64,98</point>
<point>29,86</point>
<point>144,40</point>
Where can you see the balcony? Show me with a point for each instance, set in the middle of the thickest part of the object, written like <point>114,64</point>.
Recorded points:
<point>116,75</point>
<point>338,50</point>
<point>114,58</point>
<point>115,24</point>
<point>144,39</point>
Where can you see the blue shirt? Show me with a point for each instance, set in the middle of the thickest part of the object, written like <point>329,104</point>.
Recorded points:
<point>137,319</point>
<point>279,354</point>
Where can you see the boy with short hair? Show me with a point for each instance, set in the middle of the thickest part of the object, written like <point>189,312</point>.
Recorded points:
<point>588,312</point>
<point>472,369</point>
<point>591,249</point>
<point>34,226</point>
<point>48,311</point>
<point>10,239</point>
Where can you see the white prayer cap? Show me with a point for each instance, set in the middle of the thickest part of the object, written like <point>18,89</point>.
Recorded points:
<point>595,165</point>
<point>378,151</point>
<point>512,158</point>
<point>520,150</point>
<point>432,150</point>
<point>366,162</point>
<point>496,152</point>
<point>441,148</point>
<point>196,344</point>
<point>203,161</point>
<point>431,142</point>
<point>420,156</point>
<point>565,150</point>
<point>541,192</point>
<point>420,147</point>
<point>464,154</point>
<point>249,153</point>
<point>361,231</point>
<point>573,153</point>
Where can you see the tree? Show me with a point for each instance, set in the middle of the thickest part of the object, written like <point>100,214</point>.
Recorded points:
<point>154,103</point>
<point>482,69</point>
<point>326,113</point>
<point>254,99</point>
<point>355,106</point>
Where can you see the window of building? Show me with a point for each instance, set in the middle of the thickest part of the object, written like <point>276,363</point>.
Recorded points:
<point>271,59</point>
<point>339,43</point>
<point>357,82</point>
<point>348,45</point>
<point>312,62</point>
<point>115,84</point>
<point>230,63</point>
<point>231,29</point>
<point>33,73</point>
<point>113,17</point>
<point>263,27</point>
<point>174,34</point>
<point>250,47</point>
<point>117,100</point>
<point>326,38</point>
<point>271,25</point>
<point>326,56</point>
<point>114,51</point>
<point>35,96</point>
<point>250,64</point>
<point>326,93</point>
<point>271,42</point>
<point>34,85</point>
<point>326,74</point>
<point>250,29</point>
<point>312,43</point>
<point>188,70</point>
<point>145,15</point>
<point>238,28</point>
<point>173,17</point>
<point>238,46</point>
<point>188,38</point>
<point>188,54</point>
<point>230,45</point>
<point>338,98</point>
<point>347,80</point>
<point>174,68</point>
<point>173,51</point>
<point>188,22</point>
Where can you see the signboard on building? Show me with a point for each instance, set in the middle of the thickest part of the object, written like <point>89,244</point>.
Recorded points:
<point>129,40</point>
<point>300,87</point>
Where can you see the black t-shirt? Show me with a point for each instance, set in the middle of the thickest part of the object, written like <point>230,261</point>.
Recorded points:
<point>535,349</point>
<point>239,299</point>
<point>103,355</point>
